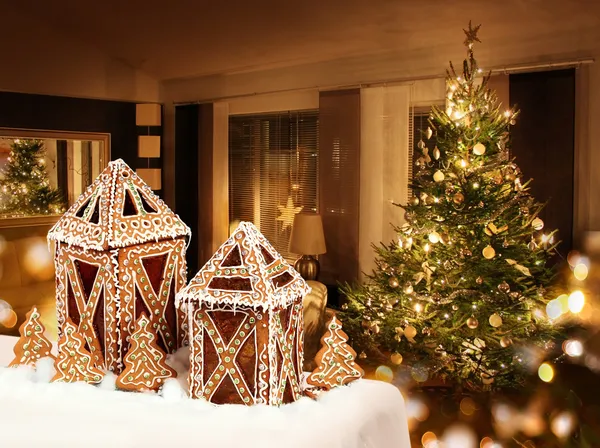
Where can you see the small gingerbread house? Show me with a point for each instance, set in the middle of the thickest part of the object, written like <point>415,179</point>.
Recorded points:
<point>119,252</point>
<point>244,309</point>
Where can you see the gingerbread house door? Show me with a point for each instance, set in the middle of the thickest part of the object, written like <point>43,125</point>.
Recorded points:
<point>231,343</point>
<point>86,294</point>
<point>150,276</point>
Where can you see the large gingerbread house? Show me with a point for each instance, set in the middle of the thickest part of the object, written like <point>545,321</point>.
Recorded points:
<point>119,252</point>
<point>245,321</point>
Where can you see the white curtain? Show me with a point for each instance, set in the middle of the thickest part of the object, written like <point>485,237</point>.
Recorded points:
<point>384,166</point>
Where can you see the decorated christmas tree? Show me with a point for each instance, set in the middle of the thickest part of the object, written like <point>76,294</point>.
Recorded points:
<point>461,294</point>
<point>74,362</point>
<point>32,345</point>
<point>24,186</point>
<point>336,364</point>
<point>145,363</point>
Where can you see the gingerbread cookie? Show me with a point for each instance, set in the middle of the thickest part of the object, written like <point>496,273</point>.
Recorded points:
<point>32,345</point>
<point>145,363</point>
<point>335,360</point>
<point>74,362</point>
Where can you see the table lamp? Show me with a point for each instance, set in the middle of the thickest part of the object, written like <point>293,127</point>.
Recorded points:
<point>307,240</point>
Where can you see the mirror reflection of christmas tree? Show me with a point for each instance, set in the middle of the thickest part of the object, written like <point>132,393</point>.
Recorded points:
<point>25,187</point>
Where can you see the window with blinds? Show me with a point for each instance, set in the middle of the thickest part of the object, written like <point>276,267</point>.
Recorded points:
<point>273,171</point>
<point>418,124</point>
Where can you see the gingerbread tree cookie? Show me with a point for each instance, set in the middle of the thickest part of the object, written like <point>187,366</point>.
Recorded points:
<point>74,362</point>
<point>145,366</point>
<point>32,345</point>
<point>335,360</point>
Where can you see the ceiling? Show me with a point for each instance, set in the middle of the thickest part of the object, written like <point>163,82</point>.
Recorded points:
<point>190,38</point>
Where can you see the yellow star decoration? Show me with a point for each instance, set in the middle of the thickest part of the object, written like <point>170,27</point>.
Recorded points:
<point>288,212</point>
<point>471,34</point>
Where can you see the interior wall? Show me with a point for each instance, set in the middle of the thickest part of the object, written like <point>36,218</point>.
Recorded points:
<point>37,58</point>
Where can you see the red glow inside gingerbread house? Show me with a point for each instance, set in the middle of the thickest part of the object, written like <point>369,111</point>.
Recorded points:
<point>244,309</point>
<point>119,252</point>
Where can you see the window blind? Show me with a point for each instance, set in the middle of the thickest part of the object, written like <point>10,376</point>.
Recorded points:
<point>273,164</point>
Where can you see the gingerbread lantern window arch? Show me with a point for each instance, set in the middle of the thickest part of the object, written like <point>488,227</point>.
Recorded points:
<point>244,309</point>
<point>119,252</point>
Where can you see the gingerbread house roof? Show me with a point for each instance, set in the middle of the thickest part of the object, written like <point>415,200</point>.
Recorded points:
<point>117,210</point>
<point>246,270</point>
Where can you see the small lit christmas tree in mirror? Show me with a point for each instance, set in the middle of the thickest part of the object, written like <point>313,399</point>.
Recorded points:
<point>25,188</point>
<point>461,294</point>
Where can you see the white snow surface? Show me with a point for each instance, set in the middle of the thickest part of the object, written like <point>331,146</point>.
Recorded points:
<point>35,413</point>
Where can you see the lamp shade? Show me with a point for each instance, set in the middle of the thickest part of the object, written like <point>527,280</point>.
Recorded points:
<point>307,235</point>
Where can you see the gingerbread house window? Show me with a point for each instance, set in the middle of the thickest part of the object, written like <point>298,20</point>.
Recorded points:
<point>120,252</point>
<point>245,311</point>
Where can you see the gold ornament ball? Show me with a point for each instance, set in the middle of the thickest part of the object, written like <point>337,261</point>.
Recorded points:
<point>438,176</point>
<point>532,245</point>
<point>408,289</point>
<point>479,280</point>
<point>396,358</point>
<point>472,323</point>
<point>505,341</point>
<point>454,307</point>
<point>489,252</point>
<point>414,201</point>
<point>479,149</point>
<point>393,282</point>
<point>537,224</point>
<point>504,287</point>
<point>436,153</point>
<point>429,200</point>
<point>510,177</point>
<point>495,320</point>
<point>410,331</point>
<point>458,198</point>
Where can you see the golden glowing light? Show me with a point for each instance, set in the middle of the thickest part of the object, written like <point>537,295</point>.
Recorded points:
<point>459,436</point>
<point>384,373</point>
<point>418,307</point>
<point>38,260</point>
<point>576,302</point>
<point>546,372</point>
<point>554,309</point>
<point>468,406</point>
<point>429,440</point>
<point>563,299</point>
<point>507,113</point>
<point>417,410</point>
<point>573,258</point>
<point>463,163</point>
<point>8,318</point>
<point>434,237</point>
<point>426,248</point>
<point>563,424</point>
<point>573,348</point>
<point>580,272</point>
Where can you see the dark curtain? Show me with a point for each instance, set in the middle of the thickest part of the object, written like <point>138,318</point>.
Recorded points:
<point>543,141</point>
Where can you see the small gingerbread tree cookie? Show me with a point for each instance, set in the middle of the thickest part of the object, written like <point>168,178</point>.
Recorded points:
<point>74,362</point>
<point>335,360</point>
<point>32,345</point>
<point>145,366</point>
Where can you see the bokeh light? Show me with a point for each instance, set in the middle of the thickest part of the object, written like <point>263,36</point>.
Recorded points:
<point>563,424</point>
<point>468,406</point>
<point>384,373</point>
<point>488,442</point>
<point>573,258</point>
<point>573,347</point>
<point>429,440</point>
<point>563,299</point>
<point>554,309</point>
<point>546,372</point>
<point>459,436</point>
<point>38,260</point>
<point>580,272</point>
<point>416,409</point>
<point>576,302</point>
